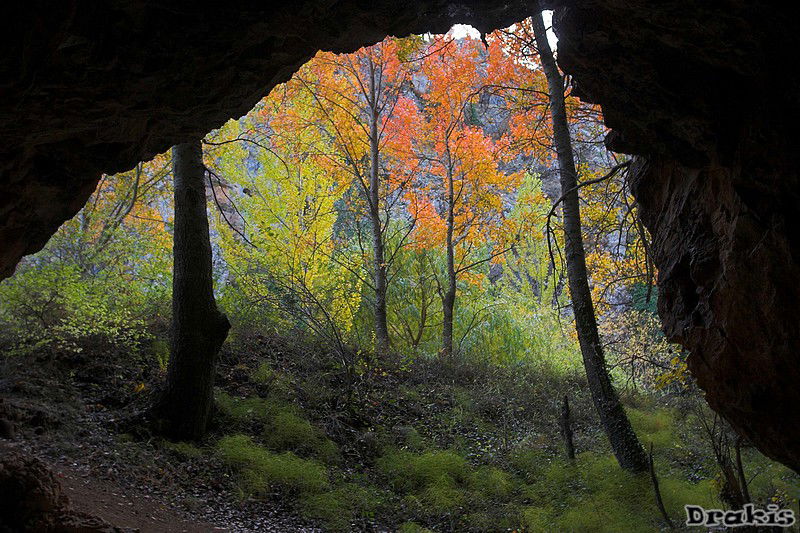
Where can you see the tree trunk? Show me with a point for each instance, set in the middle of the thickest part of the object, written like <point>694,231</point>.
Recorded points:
<point>625,444</point>
<point>449,293</point>
<point>566,429</point>
<point>198,327</point>
<point>379,261</point>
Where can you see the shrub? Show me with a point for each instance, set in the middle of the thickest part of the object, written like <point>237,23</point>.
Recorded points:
<point>261,470</point>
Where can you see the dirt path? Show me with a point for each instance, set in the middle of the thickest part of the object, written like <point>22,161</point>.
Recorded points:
<point>125,508</point>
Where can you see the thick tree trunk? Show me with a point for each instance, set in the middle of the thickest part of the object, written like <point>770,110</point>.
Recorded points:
<point>449,293</point>
<point>198,327</point>
<point>626,446</point>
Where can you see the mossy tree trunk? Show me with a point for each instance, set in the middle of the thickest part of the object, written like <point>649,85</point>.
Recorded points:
<point>198,328</point>
<point>627,449</point>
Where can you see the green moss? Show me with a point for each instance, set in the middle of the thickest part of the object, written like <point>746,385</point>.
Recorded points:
<point>410,471</point>
<point>261,470</point>
<point>413,527</point>
<point>183,449</point>
<point>338,508</point>
<point>263,374</point>
<point>538,519</point>
<point>435,482</point>
<point>677,492</point>
<point>244,410</point>
<point>491,483</point>
<point>287,431</point>
<point>442,495</point>
<point>595,494</point>
<point>655,426</point>
<point>530,463</point>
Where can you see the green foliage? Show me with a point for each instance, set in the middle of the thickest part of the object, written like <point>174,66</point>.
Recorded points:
<point>244,410</point>
<point>287,431</point>
<point>339,507</point>
<point>261,471</point>
<point>410,471</point>
<point>54,305</point>
<point>413,527</point>
<point>185,450</point>
<point>656,426</point>
<point>161,350</point>
<point>491,482</point>
<point>435,481</point>
<point>263,374</point>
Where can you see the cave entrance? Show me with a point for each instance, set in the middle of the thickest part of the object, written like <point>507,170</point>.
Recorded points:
<point>438,150</point>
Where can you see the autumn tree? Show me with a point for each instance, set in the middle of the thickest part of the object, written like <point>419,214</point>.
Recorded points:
<point>353,98</point>
<point>463,197</point>
<point>198,328</point>
<point>626,446</point>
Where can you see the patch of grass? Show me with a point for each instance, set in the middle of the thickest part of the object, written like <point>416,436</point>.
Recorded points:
<point>435,482</point>
<point>530,463</point>
<point>595,495</point>
<point>261,470</point>
<point>655,426</point>
<point>492,483</point>
<point>338,508</point>
<point>287,431</point>
<point>442,495</point>
<point>410,471</point>
<point>263,374</point>
<point>538,519</point>
<point>244,410</point>
<point>183,449</point>
<point>409,437</point>
<point>413,527</point>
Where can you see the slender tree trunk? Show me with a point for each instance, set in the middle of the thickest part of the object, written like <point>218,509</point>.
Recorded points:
<point>626,446</point>
<point>566,429</point>
<point>449,293</point>
<point>198,327</point>
<point>379,260</point>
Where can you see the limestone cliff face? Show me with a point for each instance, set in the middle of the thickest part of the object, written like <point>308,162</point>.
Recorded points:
<point>706,93</point>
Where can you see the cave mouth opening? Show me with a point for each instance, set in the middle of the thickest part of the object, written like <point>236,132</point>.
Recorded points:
<point>312,195</point>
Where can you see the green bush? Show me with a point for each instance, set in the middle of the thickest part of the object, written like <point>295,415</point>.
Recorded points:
<point>261,470</point>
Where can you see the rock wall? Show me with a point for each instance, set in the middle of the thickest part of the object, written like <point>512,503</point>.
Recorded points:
<point>705,92</point>
<point>91,87</point>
